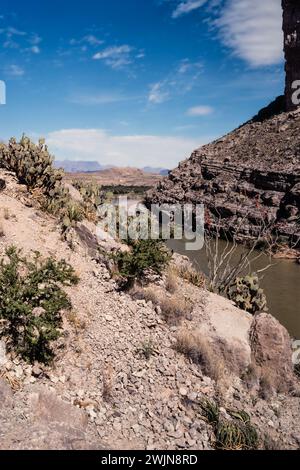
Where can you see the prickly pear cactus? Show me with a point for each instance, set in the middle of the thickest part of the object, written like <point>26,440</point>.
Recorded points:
<point>247,294</point>
<point>32,164</point>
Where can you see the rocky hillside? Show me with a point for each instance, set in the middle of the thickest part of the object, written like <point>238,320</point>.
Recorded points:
<point>250,175</point>
<point>124,376</point>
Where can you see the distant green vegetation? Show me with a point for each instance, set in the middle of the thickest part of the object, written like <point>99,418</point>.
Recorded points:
<point>122,189</point>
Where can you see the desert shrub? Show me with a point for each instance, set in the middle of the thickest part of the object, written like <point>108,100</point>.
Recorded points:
<point>71,214</point>
<point>196,347</point>
<point>175,308</point>
<point>31,302</point>
<point>144,255</point>
<point>171,281</point>
<point>192,276</point>
<point>247,295</point>
<point>234,433</point>
<point>149,294</point>
<point>122,189</point>
<point>147,349</point>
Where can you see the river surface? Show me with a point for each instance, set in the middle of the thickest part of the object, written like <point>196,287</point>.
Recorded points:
<point>281,283</point>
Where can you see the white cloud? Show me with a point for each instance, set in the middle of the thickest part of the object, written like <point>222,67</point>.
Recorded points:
<point>14,70</point>
<point>35,39</point>
<point>35,49</point>
<point>187,6</point>
<point>115,56</point>
<point>253,29</point>
<point>89,39</point>
<point>125,150</point>
<point>92,40</point>
<point>157,93</point>
<point>200,111</point>
<point>16,39</point>
<point>91,99</point>
<point>179,81</point>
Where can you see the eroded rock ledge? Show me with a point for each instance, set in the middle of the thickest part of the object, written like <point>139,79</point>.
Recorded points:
<point>251,174</point>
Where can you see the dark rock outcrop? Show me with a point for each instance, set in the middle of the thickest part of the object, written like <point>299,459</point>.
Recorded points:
<point>248,178</point>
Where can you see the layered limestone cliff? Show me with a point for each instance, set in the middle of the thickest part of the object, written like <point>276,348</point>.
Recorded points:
<point>250,175</point>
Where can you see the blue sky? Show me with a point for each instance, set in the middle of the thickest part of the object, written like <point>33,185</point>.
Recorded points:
<point>136,82</point>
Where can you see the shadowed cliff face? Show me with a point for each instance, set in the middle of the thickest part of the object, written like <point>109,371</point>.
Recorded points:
<point>291,29</point>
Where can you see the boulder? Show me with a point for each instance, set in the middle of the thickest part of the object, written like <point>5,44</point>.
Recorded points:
<point>272,350</point>
<point>51,424</point>
<point>48,408</point>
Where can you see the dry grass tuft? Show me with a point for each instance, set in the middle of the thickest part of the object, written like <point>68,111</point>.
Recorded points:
<point>171,281</point>
<point>75,321</point>
<point>196,347</point>
<point>2,233</point>
<point>107,383</point>
<point>6,213</point>
<point>174,309</point>
<point>148,294</point>
<point>266,386</point>
<point>192,276</point>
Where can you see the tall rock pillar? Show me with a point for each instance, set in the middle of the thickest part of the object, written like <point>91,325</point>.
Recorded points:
<point>291,29</point>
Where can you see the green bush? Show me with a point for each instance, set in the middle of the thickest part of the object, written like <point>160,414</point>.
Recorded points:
<point>247,295</point>
<point>31,303</point>
<point>144,255</point>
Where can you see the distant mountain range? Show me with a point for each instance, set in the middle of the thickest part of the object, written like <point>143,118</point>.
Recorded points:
<point>71,166</point>
<point>157,171</point>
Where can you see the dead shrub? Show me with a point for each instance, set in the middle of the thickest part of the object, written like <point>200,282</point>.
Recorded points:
<point>147,294</point>
<point>2,233</point>
<point>6,213</point>
<point>251,376</point>
<point>196,347</point>
<point>171,281</point>
<point>107,383</point>
<point>266,386</point>
<point>174,309</point>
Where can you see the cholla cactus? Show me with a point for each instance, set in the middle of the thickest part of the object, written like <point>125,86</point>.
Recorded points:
<point>247,294</point>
